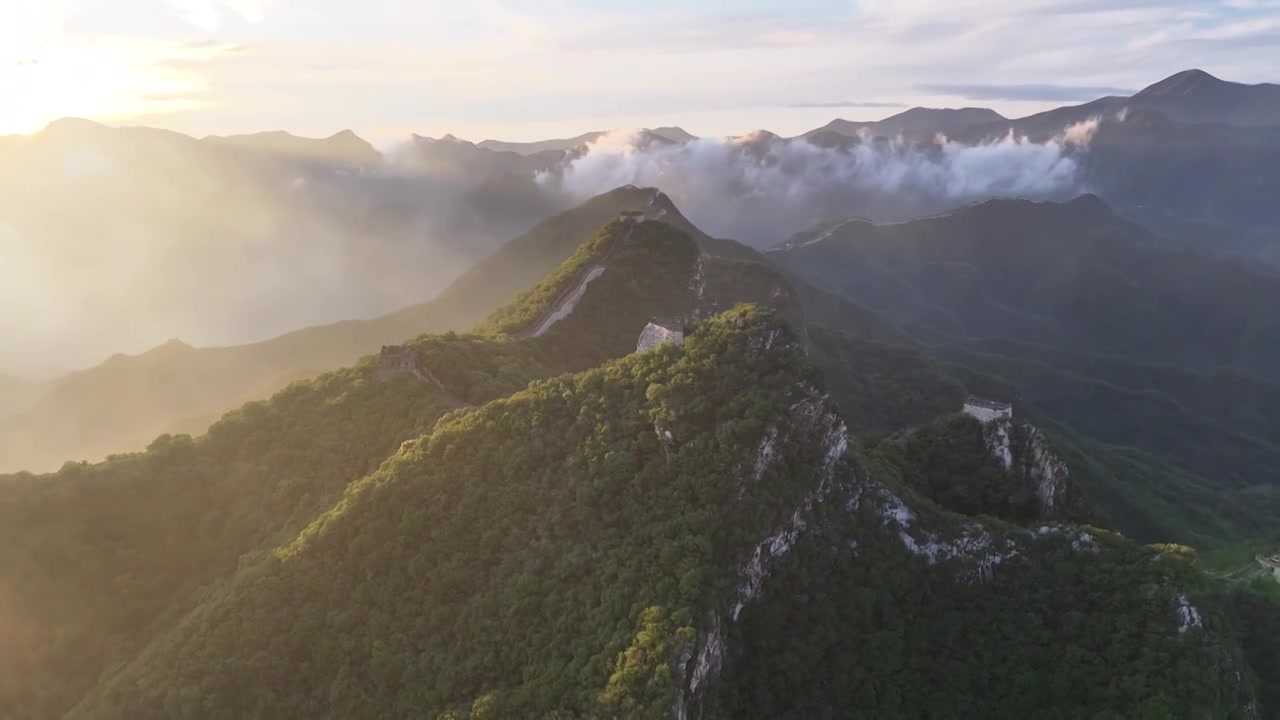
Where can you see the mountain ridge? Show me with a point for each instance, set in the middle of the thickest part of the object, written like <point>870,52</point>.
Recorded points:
<point>644,522</point>
<point>1198,97</point>
<point>710,665</point>
<point>917,123</point>
<point>245,371</point>
<point>343,145</point>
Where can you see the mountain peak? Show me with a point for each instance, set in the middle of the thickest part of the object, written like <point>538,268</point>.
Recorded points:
<point>1092,206</point>
<point>1195,96</point>
<point>675,134</point>
<point>983,113</point>
<point>172,345</point>
<point>1187,82</point>
<point>341,145</point>
<point>757,136</point>
<point>349,138</point>
<point>73,125</point>
<point>446,138</point>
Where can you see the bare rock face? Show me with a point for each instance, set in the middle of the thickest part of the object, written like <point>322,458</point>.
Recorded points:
<point>1047,472</point>
<point>999,437</point>
<point>811,423</point>
<point>1026,450</point>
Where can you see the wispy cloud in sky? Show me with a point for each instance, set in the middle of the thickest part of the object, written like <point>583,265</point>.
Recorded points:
<point>520,70</point>
<point>1033,92</point>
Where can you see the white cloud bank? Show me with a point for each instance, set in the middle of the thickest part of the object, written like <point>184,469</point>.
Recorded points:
<point>759,189</point>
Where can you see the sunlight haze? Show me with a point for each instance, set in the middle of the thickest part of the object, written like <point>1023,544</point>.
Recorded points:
<point>517,70</point>
<point>662,360</point>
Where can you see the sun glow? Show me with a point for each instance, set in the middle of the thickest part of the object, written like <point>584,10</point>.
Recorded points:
<point>98,78</point>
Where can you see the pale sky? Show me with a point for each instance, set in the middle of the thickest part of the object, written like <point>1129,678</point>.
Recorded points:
<point>528,69</point>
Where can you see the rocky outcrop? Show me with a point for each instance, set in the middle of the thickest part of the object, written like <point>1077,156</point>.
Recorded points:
<point>970,552</point>
<point>1047,473</point>
<point>1026,450</point>
<point>975,546</point>
<point>999,438</point>
<point>1188,615</point>
<point>811,423</point>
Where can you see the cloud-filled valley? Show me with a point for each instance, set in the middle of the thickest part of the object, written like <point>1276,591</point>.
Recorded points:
<point>760,188</point>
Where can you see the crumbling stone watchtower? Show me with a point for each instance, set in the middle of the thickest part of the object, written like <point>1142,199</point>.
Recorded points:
<point>661,331</point>
<point>395,359</point>
<point>987,410</point>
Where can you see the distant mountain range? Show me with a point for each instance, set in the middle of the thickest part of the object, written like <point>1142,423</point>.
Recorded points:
<point>672,134</point>
<point>227,240</point>
<point>1192,157</point>
<point>1074,276</point>
<point>917,124</point>
<point>1191,96</point>
<point>1195,96</point>
<point>343,148</point>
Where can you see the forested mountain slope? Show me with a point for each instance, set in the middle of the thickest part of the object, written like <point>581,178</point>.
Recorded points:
<point>1149,496</point>
<point>111,553</point>
<point>559,526</point>
<point>1166,356</point>
<point>629,541</point>
<point>1072,276</point>
<point>123,403</point>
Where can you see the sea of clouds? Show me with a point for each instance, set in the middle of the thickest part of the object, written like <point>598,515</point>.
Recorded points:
<point>760,188</point>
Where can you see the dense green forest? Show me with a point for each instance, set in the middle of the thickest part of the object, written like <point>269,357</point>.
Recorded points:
<point>885,388</point>
<point>554,553</point>
<point>1153,366</point>
<point>513,555</point>
<point>1058,633</point>
<point>782,518</point>
<point>952,463</point>
<point>112,553</point>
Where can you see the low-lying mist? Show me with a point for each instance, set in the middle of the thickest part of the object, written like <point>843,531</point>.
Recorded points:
<point>116,246</point>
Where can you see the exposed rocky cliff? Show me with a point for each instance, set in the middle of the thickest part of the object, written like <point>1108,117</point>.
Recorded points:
<point>1025,451</point>
<point>860,525</point>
